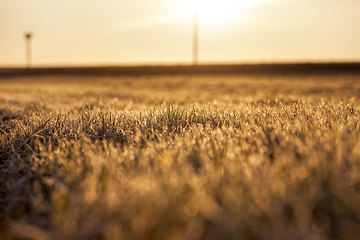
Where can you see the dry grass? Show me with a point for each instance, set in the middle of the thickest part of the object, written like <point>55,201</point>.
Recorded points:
<point>180,158</point>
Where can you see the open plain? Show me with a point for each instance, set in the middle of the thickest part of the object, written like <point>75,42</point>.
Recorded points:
<point>180,157</point>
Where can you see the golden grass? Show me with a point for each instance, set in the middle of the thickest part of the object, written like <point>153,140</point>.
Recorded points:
<point>180,157</point>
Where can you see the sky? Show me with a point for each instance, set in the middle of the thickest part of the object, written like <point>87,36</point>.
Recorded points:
<point>113,32</point>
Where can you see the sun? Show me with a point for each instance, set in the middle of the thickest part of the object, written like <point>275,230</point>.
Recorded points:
<point>213,12</point>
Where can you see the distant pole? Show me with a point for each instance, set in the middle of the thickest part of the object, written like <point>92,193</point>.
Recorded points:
<point>196,38</point>
<point>28,36</point>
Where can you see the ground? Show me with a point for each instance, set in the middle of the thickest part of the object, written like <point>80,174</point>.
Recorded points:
<point>180,157</point>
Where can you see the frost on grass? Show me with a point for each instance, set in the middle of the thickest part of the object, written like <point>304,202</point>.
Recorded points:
<point>180,158</point>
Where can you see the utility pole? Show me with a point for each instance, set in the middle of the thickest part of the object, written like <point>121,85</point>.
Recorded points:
<point>196,38</point>
<point>28,36</point>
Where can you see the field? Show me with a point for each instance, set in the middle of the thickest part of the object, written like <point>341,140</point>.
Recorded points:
<point>180,157</point>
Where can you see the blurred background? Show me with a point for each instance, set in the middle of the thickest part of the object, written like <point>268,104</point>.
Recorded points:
<point>137,32</point>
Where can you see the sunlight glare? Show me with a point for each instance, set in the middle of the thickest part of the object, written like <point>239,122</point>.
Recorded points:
<point>214,12</point>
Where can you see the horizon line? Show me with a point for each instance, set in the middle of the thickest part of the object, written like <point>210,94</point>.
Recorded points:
<point>180,64</point>
<point>235,69</point>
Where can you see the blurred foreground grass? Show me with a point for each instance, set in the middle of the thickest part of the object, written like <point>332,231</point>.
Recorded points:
<point>183,157</point>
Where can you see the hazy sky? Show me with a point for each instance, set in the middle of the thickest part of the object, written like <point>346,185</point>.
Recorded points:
<point>160,31</point>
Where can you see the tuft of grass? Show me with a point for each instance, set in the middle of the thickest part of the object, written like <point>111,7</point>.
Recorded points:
<point>180,158</point>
